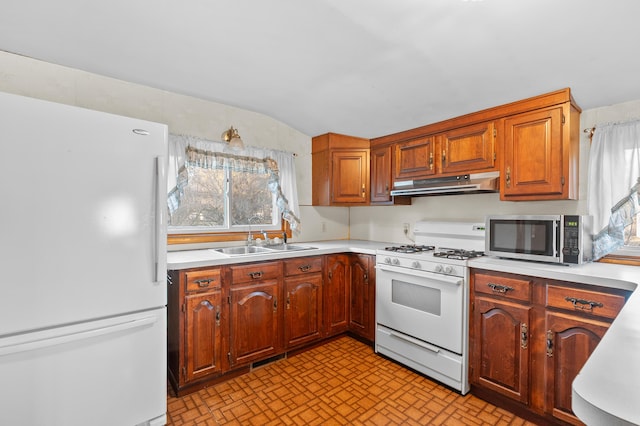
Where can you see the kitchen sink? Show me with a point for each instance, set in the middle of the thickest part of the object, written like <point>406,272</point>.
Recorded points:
<point>236,251</point>
<point>289,247</point>
<point>244,250</point>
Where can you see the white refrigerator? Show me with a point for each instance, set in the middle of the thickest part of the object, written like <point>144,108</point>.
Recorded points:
<point>82,266</point>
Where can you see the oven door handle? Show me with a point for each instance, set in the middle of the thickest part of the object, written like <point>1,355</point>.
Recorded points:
<point>417,342</point>
<point>422,274</point>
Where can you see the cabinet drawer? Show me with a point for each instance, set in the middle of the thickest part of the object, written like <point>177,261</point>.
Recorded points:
<point>592,302</point>
<point>302,265</point>
<point>511,287</point>
<point>255,272</point>
<point>202,280</point>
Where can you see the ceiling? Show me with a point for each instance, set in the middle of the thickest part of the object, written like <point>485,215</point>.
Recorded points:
<point>361,67</point>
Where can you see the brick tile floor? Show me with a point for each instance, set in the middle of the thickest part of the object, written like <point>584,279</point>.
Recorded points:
<point>342,382</point>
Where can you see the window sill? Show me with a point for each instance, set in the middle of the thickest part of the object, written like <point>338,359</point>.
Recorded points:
<point>218,237</point>
<point>621,259</point>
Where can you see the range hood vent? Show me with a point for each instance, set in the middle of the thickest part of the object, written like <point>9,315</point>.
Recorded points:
<point>469,183</point>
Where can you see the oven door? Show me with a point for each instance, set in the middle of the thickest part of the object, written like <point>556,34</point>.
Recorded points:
<point>421,304</point>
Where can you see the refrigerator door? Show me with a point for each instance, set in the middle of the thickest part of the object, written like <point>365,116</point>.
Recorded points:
<point>105,372</point>
<point>83,214</point>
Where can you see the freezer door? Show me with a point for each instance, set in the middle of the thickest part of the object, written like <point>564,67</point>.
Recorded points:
<point>106,372</point>
<point>83,214</point>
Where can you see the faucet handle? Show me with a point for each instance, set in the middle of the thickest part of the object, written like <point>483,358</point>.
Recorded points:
<point>284,237</point>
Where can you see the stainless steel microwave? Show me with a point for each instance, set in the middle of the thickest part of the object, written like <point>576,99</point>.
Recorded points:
<point>543,238</point>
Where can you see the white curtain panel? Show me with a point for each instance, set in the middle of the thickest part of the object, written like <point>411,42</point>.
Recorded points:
<point>614,169</point>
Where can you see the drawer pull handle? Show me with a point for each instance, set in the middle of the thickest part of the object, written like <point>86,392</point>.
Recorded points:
<point>524,336</point>
<point>549,343</point>
<point>304,268</point>
<point>204,282</point>
<point>583,305</point>
<point>498,288</point>
<point>256,275</point>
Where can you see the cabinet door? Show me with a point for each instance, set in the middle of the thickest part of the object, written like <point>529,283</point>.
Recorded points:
<point>533,150</point>
<point>569,340</point>
<point>381,174</point>
<point>336,294</point>
<point>362,296</point>
<point>350,176</point>
<point>468,149</point>
<point>303,311</point>
<point>414,159</point>
<point>202,335</point>
<point>255,321</point>
<point>499,344</point>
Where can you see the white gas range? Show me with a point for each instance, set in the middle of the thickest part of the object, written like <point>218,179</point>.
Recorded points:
<point>422,299</point>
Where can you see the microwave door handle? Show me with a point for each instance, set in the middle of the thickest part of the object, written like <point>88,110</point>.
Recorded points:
<point>557,230</point>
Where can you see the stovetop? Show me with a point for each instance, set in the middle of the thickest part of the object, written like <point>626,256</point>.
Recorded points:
<point>411,248</point>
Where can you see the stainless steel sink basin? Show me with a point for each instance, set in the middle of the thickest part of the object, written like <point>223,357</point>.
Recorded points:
<point>289,247</point>
<point>236,251</point>
<point>245,250</point>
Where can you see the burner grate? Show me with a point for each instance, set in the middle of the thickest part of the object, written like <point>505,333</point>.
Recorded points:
<point>414,248</point>
<point>458,254</point>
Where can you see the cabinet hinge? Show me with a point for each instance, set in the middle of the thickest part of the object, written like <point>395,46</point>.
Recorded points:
<point>184,372</point>
<point>562,180</point>
<point>229,356</point>
<point>495,133</point>
<point>229,299</point>
<point>184,307</point>
<point>494,156</point>
<point>563,119</point>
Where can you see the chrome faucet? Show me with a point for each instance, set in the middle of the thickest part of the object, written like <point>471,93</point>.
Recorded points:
<point>250,235</point>
<point>265,237</point>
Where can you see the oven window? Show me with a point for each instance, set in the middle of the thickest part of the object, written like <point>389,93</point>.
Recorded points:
<point>425,299</point>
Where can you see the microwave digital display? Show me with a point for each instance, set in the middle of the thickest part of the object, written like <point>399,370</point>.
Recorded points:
<point>522,236</point>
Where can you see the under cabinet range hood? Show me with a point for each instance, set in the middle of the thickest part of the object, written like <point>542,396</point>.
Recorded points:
<point>468,183</point>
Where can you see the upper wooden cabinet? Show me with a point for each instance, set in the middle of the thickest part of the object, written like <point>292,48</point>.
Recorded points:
<point>533,143</point>
<point>541,154</point>
<point>414,159</point>
<point>469,148</point>
<point>340,170</point>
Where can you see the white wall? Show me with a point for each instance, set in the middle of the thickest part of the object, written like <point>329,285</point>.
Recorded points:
<point>193,116</point>
<point>183,114</point>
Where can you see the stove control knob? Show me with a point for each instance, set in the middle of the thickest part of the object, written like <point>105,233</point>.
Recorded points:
<point>395,261</point>
<point>439,269</point>
<point>416,265</point>
<point>387,260</point>
<point>450,270</point>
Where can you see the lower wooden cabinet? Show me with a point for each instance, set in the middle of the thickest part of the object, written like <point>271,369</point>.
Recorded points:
<point>221,320</point>
<point>196,320</point>
<point>362,295</point>
<point>529,338</point>
<point>203,336</point>
<point>255,322</point>
<point>336,294</point>
<point>499,349</point>
<point>303,301</point>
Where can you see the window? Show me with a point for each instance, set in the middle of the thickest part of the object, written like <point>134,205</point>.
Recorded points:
<point>614,184</point>
<point>217,200</point>
<point>215,194</point>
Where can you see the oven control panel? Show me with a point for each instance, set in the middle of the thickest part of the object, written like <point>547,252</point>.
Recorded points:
<point>439,266</point>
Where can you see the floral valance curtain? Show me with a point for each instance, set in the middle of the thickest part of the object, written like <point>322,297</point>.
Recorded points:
<point>279,165</point>
<point>614,176</point>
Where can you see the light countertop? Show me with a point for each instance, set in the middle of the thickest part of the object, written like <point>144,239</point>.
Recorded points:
<point>606,390</point>
<point>207,257</point>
